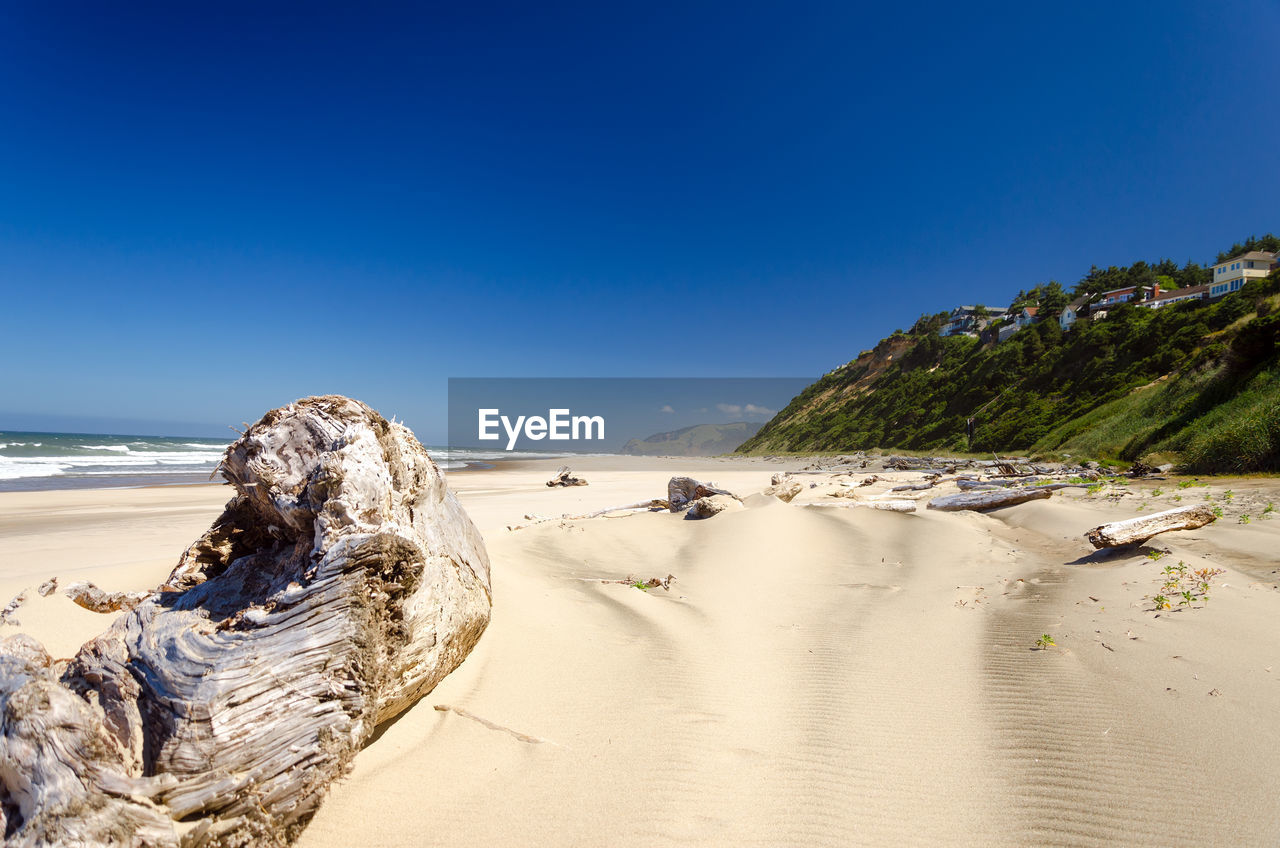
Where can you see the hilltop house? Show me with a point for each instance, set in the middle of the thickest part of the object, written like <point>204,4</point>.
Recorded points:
<point>1127,295</point>
<point>1177,296</point>
<point>965,320</point>
<point>1071,312</point>
<point>1026,316</point>
<point>1231,275</point>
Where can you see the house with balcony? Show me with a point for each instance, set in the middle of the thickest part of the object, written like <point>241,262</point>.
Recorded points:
<point>1230,276</point>
<point>1130,294</point>
<point>1177,296</point>
<point>964,320</point>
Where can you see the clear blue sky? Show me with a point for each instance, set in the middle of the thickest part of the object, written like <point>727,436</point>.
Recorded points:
<point>207,210</point>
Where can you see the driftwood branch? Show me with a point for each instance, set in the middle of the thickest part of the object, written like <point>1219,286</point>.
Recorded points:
<point>889,506</point>
<point>638,506</point>
<point>987,500</point>
<point>1136,530</point>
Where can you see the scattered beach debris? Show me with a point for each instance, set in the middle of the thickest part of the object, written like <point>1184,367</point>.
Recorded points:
<point>609,512</point>
<point>219,714</point>
<point>523,737</point>
<point>48,587</point>
<point>887,505</point>
<point>988,499</point>
<point>6,614</point>
<point>1134,531</point>
<point>94,599</point>
<point>564,477</point>
<point>651,583</point>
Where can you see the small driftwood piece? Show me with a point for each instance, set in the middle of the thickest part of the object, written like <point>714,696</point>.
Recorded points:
<point>48,587</point>
<point>564,477</point>
<point>1134,531</point>
<point>682,491</point>
<point>94,599</point>
<point>337,588</point>
<point>627,509</point>
<point>912,487</point>
<point>6,614</point>
<point>987,500</point>
<point>651,583</point>
<point>785,491</point>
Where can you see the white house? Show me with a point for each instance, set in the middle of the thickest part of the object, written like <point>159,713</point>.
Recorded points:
<point>1177,296</point>
<point>1071,312</point>
<point>1231,275</point>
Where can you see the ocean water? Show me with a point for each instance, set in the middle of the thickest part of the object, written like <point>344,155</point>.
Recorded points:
<point>32,461</point>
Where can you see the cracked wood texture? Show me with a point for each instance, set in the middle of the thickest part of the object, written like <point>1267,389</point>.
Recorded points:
<point>339,586</point>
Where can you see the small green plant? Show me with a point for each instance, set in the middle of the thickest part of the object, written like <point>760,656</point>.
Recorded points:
<point>1217,512</point>
<point>1045,642</point>
<point>1157,492</point>
<point>1155,556</point>
<point>1228,495</point>
<point>1270,508</point>
<point>1208,496</point>
<point>1187,598</point>
<point>1161,602</point>
<point>640,585</point>
<point>1178,498</point>
<point>1186,484</point>
<point>1244,519</point>
<point>1094,489</point>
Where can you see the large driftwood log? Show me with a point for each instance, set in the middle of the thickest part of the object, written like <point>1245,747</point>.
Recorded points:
<point>338,587</point>
<point>682,491</point>
<point>1133,531</point>
<point>987,500</point>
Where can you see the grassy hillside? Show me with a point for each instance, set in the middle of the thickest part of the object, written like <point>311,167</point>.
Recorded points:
<point>698,440</point>
<point>1194,381</point>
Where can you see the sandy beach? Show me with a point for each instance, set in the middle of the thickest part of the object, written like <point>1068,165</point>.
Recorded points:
<point>811,677</point>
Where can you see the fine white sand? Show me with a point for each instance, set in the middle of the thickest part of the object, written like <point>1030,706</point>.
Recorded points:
<point>813,676</point>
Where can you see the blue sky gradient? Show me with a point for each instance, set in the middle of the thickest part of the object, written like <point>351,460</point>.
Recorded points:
<point>207,211</point>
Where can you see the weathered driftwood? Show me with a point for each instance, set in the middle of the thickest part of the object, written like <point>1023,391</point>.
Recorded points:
<point>682,491</point>
<point>6,614</point>
<point>711,505</point>
<point>785,491</point>
<point>639,506</point>
<point>987,500</point>
<point>338,587</point>
<point>95,599</point>
<point>48,587</point>
<point>888,506</point>
<point>978,485</point>
<point>912,487</point>
<point>564,477</point>
<point>1133,531</point>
